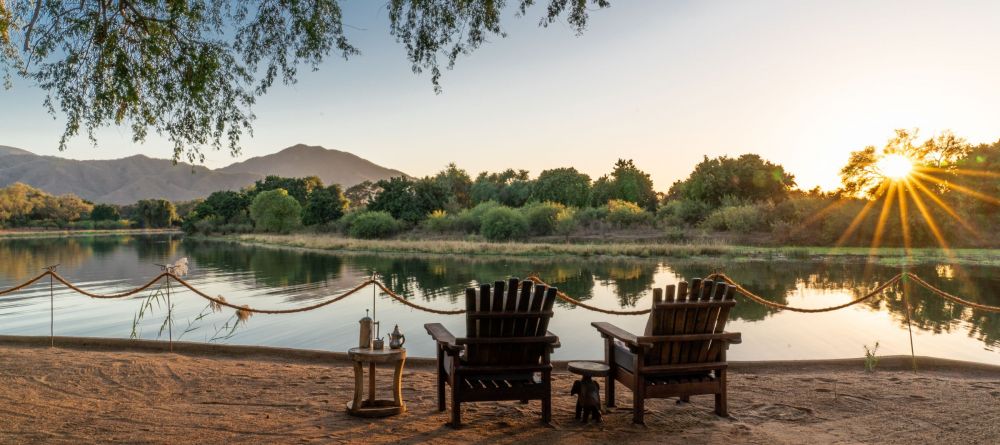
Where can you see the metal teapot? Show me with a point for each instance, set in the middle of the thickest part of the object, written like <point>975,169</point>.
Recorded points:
<point>396,339</point>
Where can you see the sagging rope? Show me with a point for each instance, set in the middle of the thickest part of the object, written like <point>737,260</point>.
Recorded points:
<point>761,300</point>
<point>562,295</point>
<point>534,278</point>
<point>952,298</point>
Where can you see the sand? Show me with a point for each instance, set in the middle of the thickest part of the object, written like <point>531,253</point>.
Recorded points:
<point>86,394</point>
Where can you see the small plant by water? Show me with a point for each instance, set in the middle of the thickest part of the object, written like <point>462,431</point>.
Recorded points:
<point>871,359</point>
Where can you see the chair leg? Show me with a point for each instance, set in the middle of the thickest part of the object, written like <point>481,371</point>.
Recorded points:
<point>639,401</point>
<point>721,404</point>
<point>609,390</point>
<point>456,409</point>
<point>685,399</point>
<point>547,409</point>
<point>441,380</point>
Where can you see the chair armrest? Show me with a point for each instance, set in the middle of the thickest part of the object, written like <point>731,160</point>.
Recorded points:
<point>548,339</point>
<point>609,330</point>
<point>554,345</point>
<point>729,337</point>
<point>443,337</point>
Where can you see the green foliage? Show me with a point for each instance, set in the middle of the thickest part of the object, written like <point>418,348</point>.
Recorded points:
<point>542,217</point>
<point>324,205</point>
<point>748,178</point>
<point>373,224</point>
<point>439,221</point>
<point>458,185</point>
<point>155,213</point>
<point>226,205</point>
<point>626,183</point>
<point>298,188</point>
<point>562,185</point>
<point>275,211</point>
<point>871,359</point>
<point>471,220</point>
<point>627,214</point>
<point>192,70</point>
<point>504,224</point>
<point>745,218</point>
<point>591,216</point>
<point>509,187</point>
<point>409,200</point>
<point>105,212</point>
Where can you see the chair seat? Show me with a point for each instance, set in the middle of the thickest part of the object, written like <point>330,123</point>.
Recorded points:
<point>501,382</point>
<point>623,358</point>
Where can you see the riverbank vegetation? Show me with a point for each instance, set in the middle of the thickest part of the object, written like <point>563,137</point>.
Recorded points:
<point>947,200</point>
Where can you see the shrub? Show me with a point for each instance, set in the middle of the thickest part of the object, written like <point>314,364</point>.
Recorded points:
<point>566,221</point>
<point>275,211</point>
<point>591,216</point>
<point>542,217</point>
<point>371,225</point>
<point>471,220</point>
<point>683,212</point>
<point>439,221</point>
<point>627,214</point>
<point>742,219</point>
<point>504,223</point>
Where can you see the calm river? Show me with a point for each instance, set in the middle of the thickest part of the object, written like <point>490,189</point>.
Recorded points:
<point>280,278</point>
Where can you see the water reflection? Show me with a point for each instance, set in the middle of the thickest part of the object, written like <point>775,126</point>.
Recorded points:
<point>298,276</point>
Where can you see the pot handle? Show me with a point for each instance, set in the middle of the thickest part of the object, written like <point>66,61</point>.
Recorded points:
<point>402,340</point>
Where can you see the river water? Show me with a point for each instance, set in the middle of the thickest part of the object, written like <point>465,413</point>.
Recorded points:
<point>283,278</point>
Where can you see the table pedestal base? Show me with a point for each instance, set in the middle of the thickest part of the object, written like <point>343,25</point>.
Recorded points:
<point>375,408</point>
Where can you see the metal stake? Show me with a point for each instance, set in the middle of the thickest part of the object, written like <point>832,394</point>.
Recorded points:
<point>909,325</point>
<point>52,306</point>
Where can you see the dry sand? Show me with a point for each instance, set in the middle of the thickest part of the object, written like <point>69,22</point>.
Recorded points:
<point>114,394</point>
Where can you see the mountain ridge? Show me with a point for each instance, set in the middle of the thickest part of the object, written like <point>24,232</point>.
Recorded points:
<point>129,179</point>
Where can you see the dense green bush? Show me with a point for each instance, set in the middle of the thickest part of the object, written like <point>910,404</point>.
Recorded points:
<point>542,217</point>
<point>471,220</point>
<point>744,218</point>
<point>439,221</point>
<point>371,225</point>
<point>275,211</point>
<point>627,214</point>
<point>503,224</point>
<point>591,216</point>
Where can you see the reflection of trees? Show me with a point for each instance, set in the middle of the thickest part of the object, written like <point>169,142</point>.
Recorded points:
<point>273,267</point>
<point>23,258</point>
<point>630,279</point>
<point>152,249</point>
<point>776,280</point>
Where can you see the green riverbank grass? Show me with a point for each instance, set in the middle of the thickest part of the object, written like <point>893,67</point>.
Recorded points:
<point>5,234</point>
<point>888,256</point>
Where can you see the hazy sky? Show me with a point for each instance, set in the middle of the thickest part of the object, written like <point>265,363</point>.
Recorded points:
<point>662,82</point>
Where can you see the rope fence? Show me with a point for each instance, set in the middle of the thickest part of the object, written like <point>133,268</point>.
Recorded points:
<point>221,301</point>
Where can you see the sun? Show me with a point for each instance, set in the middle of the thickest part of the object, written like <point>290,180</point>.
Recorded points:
<point>894,167</point>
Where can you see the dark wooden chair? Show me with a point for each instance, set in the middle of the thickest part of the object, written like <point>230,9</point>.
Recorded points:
<point>505,354</point>
<point>683,351</point>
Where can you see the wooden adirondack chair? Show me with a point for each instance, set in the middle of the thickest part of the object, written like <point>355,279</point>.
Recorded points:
<point>506,349</point>
<point>683,351</point>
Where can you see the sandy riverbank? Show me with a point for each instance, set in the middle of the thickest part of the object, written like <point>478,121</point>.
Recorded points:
<point>103,393</point>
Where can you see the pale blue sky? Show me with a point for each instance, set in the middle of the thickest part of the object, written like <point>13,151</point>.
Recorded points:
<point>663,82</point>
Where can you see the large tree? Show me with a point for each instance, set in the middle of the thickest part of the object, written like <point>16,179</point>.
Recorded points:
<point>746,178</point>
<point>627,183</point>
<point>863,175</point>
<point>191,70</point>
<point>563,185</point>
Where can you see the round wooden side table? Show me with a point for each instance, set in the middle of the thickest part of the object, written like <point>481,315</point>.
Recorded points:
<point>372,407</point>
<point>588,394</point>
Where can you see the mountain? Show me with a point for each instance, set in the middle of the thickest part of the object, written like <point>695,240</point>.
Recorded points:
<point>127,180</point>
<point>332,166</point>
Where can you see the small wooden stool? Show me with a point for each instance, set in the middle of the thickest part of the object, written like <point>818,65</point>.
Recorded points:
<point>588,392</point>
<point>373,407</point>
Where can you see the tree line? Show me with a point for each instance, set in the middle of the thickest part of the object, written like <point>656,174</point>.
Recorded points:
<point>743,199</point>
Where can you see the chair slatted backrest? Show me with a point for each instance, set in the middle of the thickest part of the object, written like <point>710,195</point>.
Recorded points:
<point>671,315</point>
<point>507,309</point>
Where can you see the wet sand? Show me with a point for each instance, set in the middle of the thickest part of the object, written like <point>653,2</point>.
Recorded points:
<point>92,392</point>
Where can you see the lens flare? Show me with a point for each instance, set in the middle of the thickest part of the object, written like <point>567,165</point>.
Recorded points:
<point>895,166</point>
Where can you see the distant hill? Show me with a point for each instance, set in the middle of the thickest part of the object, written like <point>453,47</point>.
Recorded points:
<point>332,166</point>
<point>127,180</point>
